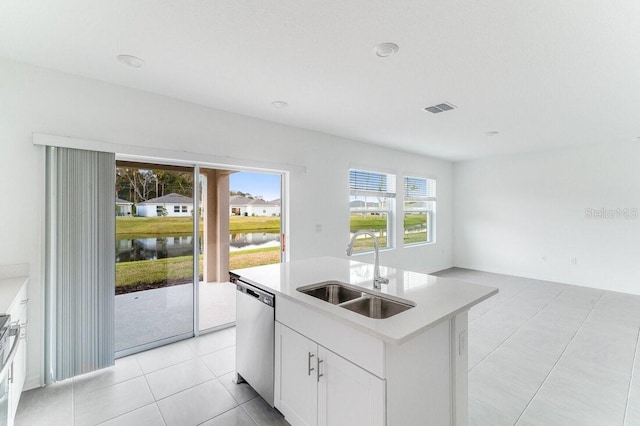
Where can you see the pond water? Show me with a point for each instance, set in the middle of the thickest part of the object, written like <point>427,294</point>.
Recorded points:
<point>253,241</point>
<point>129,250</point>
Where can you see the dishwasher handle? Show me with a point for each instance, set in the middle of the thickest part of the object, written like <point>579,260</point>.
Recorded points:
<point>256,293</point>
<point>253,293</point>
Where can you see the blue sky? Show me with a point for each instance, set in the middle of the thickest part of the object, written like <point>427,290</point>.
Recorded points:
<point>264,184</point>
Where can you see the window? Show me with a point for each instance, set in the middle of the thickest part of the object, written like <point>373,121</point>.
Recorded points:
<point>159,210</point>
<point>184,209</point>
<point>176,209</point>
<point>371,204</point>
<point>419,210</point>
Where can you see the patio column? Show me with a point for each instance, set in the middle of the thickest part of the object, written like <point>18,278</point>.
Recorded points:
<point>216,226</point>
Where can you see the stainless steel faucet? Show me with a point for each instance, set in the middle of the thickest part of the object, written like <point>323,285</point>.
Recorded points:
<point>377,279</point>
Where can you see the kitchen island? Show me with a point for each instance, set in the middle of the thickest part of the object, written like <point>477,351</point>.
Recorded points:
<point>334,366</point>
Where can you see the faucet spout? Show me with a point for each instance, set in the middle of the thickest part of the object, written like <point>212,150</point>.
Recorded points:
<point>377,279</point>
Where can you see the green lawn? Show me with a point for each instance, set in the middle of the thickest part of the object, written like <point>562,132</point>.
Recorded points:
<point>146,274</point>
<point>360,221</point>
<point>149,226</point>
<point>139,227</point>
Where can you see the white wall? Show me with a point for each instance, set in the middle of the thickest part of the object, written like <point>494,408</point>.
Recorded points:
<point>511,212</point>
<point>38,100</point>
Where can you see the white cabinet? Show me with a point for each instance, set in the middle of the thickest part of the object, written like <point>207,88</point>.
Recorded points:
<point>296,391</point>
<point>365,380</point>
<point>314,386</point>
<point>18,369</point>
<point>347,394</point>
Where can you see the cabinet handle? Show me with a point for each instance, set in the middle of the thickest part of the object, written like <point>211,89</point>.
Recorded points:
<point>309,367</point>
<point>318,367</point>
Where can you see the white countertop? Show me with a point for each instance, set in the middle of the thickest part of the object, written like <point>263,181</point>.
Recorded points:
<point>437,299</point>
<point>9,288</point>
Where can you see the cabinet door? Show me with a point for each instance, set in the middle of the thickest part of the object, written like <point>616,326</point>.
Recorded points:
<point>347,394</point>
<point>295,377</point>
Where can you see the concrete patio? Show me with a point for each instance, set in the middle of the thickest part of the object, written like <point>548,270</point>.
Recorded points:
<point>147,316</point>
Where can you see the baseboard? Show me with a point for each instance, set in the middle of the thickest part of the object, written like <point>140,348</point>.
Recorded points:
<point>33,382</point>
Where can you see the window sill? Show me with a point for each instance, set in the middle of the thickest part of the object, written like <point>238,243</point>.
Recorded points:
<point>382,250</point>
<point>417,245</point>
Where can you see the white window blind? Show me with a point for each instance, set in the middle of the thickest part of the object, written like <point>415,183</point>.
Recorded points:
<point>362,182</point>
<point>419,188</point>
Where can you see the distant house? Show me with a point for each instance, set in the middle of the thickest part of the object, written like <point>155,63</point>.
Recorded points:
<point>171,205</point>
<point>123,207</point>
<point>243,206</point>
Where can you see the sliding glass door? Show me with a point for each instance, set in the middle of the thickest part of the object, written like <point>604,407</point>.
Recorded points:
<point>167,217</point>
<point>241,228</point>
<point>155,246</point>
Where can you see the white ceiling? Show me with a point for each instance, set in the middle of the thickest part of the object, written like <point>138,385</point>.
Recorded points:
<point>544,73</point>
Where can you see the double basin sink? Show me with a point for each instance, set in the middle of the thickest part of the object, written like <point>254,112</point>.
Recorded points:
<point>364,302</point>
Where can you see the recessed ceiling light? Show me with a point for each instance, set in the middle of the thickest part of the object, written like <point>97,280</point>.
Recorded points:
<point>384,50</point>
<point>279,104</point>
<point>131,61</point>
<point>491,133</point>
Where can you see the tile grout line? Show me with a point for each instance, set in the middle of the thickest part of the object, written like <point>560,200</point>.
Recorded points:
<point>559,358</point>
<point>155,401</point>
<point>516,330</point>
<point>230,409</point>
<point>131,411</point>
<point>633,370</point>
<point>495,307</point>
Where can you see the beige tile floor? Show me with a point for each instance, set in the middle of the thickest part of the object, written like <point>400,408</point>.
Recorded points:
<point>540,353</point>
<point>185,383</point>
<point>543,353</point>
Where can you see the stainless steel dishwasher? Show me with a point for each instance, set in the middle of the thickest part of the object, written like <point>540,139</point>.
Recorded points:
<point>255,335</point>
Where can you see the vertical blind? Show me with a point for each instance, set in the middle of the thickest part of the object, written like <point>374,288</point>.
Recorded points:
<point>80,261</point>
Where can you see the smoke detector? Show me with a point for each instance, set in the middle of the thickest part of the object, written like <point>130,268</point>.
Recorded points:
<point>384,50</point>
<point>131,61</point>
<point>436,109</point>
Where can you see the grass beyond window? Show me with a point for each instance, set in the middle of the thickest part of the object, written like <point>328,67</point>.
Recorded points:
<point>139,227</point>
<point>147,274</point>
<point>415,228</point>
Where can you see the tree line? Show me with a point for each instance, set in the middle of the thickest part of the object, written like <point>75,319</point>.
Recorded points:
<point>138,185</point>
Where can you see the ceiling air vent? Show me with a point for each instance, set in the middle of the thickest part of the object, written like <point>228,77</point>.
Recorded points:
<point>440,108</point>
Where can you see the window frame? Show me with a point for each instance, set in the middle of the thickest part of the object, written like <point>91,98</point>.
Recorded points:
<point>429,212</point>
<point>390,195</point>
